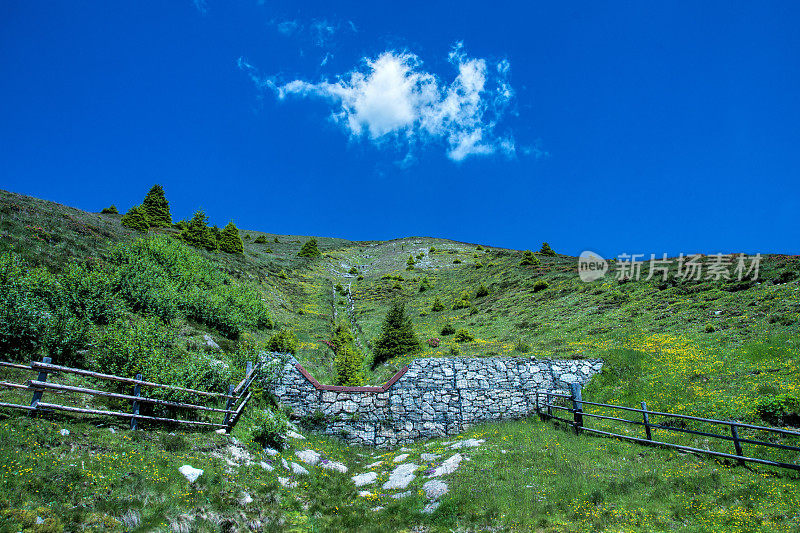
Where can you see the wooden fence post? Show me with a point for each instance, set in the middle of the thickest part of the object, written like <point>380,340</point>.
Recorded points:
<point>549,408</point>
<point>228,405</point>
<point>248,369</point>
<point>646,422</point>
<point>137,391</point>
<point>538,412</point>
<point>736,444</point>
<point>37,394</point>
<point>577,405</point>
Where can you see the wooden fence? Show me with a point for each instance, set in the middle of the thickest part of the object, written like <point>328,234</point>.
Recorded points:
<point>235,399</point>
<point>579,414</point>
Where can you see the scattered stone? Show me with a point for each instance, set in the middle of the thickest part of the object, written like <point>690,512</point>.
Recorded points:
<point>210,344</point>
<point>503,451</point>
<point>449,466</point>
<point>267,467</point>
<point>404,449</point>
<point>333,465</point>
<point>400,458</point>
<point>295,435</point>
<point>271,452</point>
<point>375,464</point>
<point>401,476</point>
<point>220,431</point>
<point>308,456</point>
<point>469,443</point>
<point>431,507</point>
<point>378,508</point>
<point>190,473</point>
<point>284,463</point>
<point>64,432</point>
<point>365,479</point>
<point>245,498</point>
<point>428,457</point>
<point>286,482</point>
<point>434,489</point>
<point>112,430</point>
<point>299,470</point>
<point>364,493</point>
<point>400,495</point>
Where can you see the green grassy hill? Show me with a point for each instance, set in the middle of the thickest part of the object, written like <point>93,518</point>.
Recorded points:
<point>725,349</point>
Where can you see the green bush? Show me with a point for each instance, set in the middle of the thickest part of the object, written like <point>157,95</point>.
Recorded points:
<point>709,328</point>
<point>261,239</point>
<point>463,301</point>
<point>463,335</point>
<point>285,341</point>
<point>448,329</point>
<point>198,234</point>
<point>529,259</point>
<point>230,241</point>
<point>437,306</point>
<point>540,285</point>
<point>780,410</point>
<point>110,210</point>
<point>521,346</point>
<point>136,219</point>
<point>310,249</point>
<point>482,291</point>
<point>353,271</point>
<point>269,427</point>
<point>156,207</point>
<point>397,336</point>
<point>546,250</point>
<point>349,359</point>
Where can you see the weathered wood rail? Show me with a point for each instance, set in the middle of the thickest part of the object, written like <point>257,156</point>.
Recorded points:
<point>235,399</point>
<point>545,411</point>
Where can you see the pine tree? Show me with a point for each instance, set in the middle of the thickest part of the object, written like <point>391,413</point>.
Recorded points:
<point>397,336</point>
<point>136,219</point>
<point>310,249</point>
<point>230,241</point>
<point>529,259</point>
<point>110,210</point>
<point>546,250</point>
<point>157,208</point>
<point>348,358</point>
<point>198,234</point>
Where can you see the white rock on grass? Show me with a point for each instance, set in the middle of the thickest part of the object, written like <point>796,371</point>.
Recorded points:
<point>428,457</point>
<point>64,432</point>
<point>400,458</point>
<point>245,498</point>
<point>400,495</point>
<point>220,431</point>
<point>434,489</point>
<point>365,479</point>
<point>299,470</point>
<point>308,456</point>
<point>294,435</point>
<point>286,482</point>
<point>190,473</point>
<point>375,464</point>
<point>448,467</point>
<point>431,507</point>
<point>267,467</point>
<point>378,508</point>
<point>271,452</point>
<point>364,493</point>
<point>401,476</point>
<point>284,463</point>
<point>469,443</point>
<point>333,465</point>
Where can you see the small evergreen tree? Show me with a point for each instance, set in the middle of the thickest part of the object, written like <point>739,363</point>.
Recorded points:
<point>110,210</point>
<point>546,250</point>
<point>397,336</point>
<point>437,306</point>
<point>482,291</point>
<point>136,219</point>
<point>157,208</point>
<point>529,259</point>
<point>348,359</point>
<point>310,249</point>
<point>285,341</point>
<point>261,239</point>
<point>198,234</point>
<point>230,241</point>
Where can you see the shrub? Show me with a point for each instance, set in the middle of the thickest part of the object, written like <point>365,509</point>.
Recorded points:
<point>198,234</point>
<point>522,346</point>
<point>110,210</point>
<point>432,250</point>
<point>339,288</point>
<point>310,249</point>
<point>710,328</point>
<point>360,277</point>
<point>275,240</point>
<point>282,274</point>
<point>156,207</point>
<point>781,410</point>
<point>353,271</point>
<point>463,335</point>
<point>786,276</point>
<point>463,301</point>
<point>482,291</point>
<point>478,264</point>
<point>230,241</point>
<point>285,341</point>
<point>437,306</point>
<point>540,285</point>
<point>269,427</point>
<point>546,250</point>
<point>261,239</point>
<point>136,219</point>
<point>455,350</point>
<point>397,336</point>
<point>448,329</point>
<point>529,259</point>
<point>433,343</point>
<point>456,261</point>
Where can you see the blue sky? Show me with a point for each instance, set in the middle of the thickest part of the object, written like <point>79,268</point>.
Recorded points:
<point>637,127</point>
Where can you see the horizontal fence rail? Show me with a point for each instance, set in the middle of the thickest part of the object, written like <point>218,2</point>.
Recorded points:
<point>236,398</point>
<point>545,406</point>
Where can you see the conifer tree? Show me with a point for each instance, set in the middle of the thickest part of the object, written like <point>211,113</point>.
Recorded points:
<point>157,208</point>
<point>136,219</point>
<point>110,210</point>
<point>546,250</point>
<point>230,241</point>
<point>529,259</point>
<point>397,336</point>
<point>310,249</point>
<point>198,234</point>
<point>348,359</point>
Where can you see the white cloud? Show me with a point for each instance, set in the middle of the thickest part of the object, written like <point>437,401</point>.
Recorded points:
<point>201,5</point>
<point>392,98</point>
<point>287,27</point>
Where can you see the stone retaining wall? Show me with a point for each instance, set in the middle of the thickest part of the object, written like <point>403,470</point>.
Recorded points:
<point>429,397</point>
